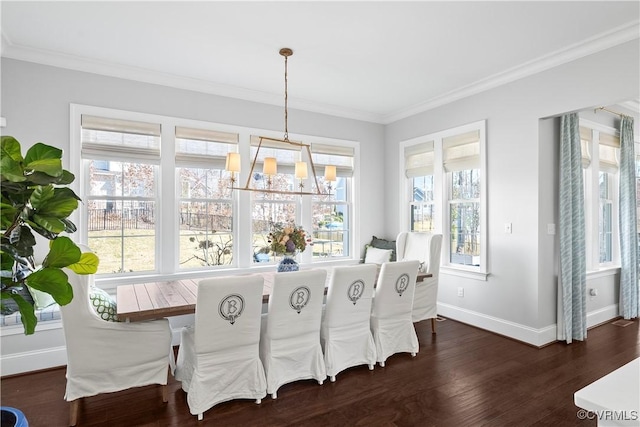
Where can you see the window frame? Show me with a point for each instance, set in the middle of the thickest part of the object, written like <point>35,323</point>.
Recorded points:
<point>442,200</point>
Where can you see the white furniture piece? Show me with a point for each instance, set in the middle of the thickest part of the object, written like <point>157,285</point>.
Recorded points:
<point>345,333</point>
<point>426,248</point>
<point>391,323</point>
<point>103,356</point>
<point>614,400</point>
<point>219,357</point>
<point>290,337</point>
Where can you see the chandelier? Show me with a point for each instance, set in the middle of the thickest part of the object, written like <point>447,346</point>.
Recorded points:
<point>270,167</point>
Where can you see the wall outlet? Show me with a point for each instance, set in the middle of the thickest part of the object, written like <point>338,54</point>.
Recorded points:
<point>460,292</point>
<point>593,292</point>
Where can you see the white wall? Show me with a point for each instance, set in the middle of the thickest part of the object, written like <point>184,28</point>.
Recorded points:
<point>35,102</point>
<point>519,297</point>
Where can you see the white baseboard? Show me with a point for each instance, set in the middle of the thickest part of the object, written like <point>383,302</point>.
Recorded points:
<point>602,315</point>
<point>18,363</point>
<point>527,334</point>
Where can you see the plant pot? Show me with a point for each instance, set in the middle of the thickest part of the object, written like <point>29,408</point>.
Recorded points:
<point>288,263</point>
<point>12,417</point>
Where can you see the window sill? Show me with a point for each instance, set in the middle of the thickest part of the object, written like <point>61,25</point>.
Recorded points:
<point>603,272</point>
<point>469,274</point>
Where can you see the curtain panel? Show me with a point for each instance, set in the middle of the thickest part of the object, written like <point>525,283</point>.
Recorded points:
<point>572,301</point>
<point>628,223</point>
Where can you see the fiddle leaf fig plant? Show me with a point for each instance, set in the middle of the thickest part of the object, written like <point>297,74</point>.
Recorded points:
<point>35,198</point>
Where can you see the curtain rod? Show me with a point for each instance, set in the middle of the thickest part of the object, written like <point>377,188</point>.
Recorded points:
<point>610,111</point>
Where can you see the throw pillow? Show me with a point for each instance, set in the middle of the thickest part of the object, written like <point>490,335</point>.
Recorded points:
<point>377,256</point>
<point>385,244</point>
<point>104,306</point>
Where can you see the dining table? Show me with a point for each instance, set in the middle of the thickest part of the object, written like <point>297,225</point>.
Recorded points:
<point>158,299</point>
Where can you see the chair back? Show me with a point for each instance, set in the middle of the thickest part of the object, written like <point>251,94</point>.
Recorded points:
<point>422,246</point>
<point>349,296</point>
<point>395,289</point>
<point>228,313</point>
<point>295,304</point>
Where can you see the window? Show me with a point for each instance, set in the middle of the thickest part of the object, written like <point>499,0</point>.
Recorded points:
<point>206,208</point>
<point>157,198</point>
<point>331,215</point>
<point>121,162</point>
<point>600,148</point>
<point>445,192</point>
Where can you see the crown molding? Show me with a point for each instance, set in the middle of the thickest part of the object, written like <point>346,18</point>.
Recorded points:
<point>578,50</point>
<point>597,43</point>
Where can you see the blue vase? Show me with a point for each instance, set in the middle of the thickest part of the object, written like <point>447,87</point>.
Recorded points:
<point>288,263</point>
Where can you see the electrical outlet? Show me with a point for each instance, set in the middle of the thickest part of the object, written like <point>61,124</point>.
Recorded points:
<point>460,292</point>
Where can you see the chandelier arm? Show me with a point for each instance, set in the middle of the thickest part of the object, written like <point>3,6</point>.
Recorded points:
<point>253,164</point>
<point>313,169</point>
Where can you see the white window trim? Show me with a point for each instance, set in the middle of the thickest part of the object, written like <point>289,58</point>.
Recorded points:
<point>441,201</point>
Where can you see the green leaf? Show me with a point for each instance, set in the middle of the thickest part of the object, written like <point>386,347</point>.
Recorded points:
<point>11,170</point>
<point>61,205</point>
<point>10,147</point>
<point>62,253</point>
<point>66,178</point>
<point>70,227</point>
<point>44,158</point>
<point>40,196</point>
<point>49,223</point>
<point>27,314</point>
<point>53,281</point>
<point>88,264</point>
<point>7,215</point>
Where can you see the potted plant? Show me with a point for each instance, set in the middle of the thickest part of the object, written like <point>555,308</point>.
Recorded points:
<point>35,197</point>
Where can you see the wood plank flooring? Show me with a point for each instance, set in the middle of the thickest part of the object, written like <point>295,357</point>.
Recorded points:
<point>463,376</point>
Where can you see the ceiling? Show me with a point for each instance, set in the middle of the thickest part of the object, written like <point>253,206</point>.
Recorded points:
<point>375,61</point>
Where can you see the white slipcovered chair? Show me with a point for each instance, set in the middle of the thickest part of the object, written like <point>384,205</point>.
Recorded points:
<point>219,357</point>
<point>391,323</point>
<point>345,333</point>
<point>426,248</point>
<point>104,356</point>
<point>290,337</point>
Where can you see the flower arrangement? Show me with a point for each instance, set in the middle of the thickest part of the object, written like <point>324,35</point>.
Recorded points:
<point>287,239</point>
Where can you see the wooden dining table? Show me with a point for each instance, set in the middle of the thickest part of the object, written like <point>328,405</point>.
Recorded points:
<point>154,300</point>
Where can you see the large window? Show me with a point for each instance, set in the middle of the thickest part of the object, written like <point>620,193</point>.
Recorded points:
<point>157,198</point>
<point>600,148</point>
<point>446,192</point>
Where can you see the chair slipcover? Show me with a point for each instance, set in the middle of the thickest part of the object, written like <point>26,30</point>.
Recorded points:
<point>219,356</point>
<point>426,248</point>
<point>105,356</point>
<point>345,333</point>
<point>290,337</point>
<point>391,323</point>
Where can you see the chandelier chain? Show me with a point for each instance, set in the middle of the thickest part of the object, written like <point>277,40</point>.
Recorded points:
<point>286,101</point>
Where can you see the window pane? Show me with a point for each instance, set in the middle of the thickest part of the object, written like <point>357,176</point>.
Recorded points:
<point>206,218</point>
<point>465,184</point>
<point>122,234</point>
<point>121,179</point>
<point>278,182</point>
<point>465,233</point>
<point>422,217</point>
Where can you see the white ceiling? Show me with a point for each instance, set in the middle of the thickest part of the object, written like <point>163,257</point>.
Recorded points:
<point>376,61</point>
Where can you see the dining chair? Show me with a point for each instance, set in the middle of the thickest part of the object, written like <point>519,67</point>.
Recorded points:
<point>219,358</point>
<point>426,248</point>
<point>290,336</point>
<point>105,356</point>
<point>391,323</point>
<point>345,333</point>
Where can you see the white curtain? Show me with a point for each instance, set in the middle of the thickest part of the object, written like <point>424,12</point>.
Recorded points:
<point>572,301</point>
<point>629,295</point>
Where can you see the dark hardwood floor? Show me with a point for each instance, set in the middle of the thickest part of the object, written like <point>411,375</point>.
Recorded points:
<point>463,376</point>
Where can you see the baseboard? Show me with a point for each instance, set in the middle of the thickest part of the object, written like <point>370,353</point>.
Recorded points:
<point>17,363</point>
<point>603,315</point>
<point>536,337</point>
